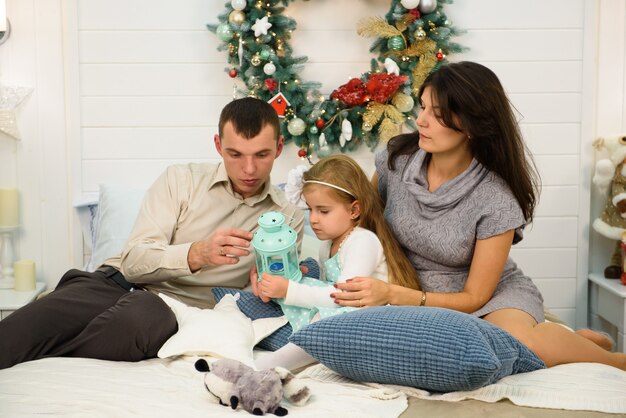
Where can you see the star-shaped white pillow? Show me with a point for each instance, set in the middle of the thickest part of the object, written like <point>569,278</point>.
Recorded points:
<point>222,332</point>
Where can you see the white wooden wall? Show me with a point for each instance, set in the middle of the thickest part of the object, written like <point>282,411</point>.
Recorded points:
<point>140,85</point>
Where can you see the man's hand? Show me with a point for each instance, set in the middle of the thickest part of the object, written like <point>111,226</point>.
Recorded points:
<point>273,286</point>
<point>224,246</point>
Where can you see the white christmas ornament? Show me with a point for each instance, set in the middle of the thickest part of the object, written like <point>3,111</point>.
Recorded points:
<point>269,68</point>
<point>238,4</point>
<point>391,66</point>
<point>10,99</point>
<point>407,4</point>
<point>322,140</point>
<point>261,26</point>
<point>296,126</point>
<point>240,52</point>
<point>346,132</point>
<point>427,6</point>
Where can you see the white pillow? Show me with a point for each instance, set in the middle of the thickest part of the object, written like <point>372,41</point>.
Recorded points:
<point>220,332</point>
<point>118,207</point>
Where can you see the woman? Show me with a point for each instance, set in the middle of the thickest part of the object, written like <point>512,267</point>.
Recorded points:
<point>469,186</point>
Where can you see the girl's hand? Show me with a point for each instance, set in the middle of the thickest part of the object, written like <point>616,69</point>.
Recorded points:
<point>272,286</point>
<point>255,285</point>
<point>362,291</point>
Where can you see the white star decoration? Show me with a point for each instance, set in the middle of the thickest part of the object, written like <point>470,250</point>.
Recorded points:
<point>10,99</point>
<point>261,26</point>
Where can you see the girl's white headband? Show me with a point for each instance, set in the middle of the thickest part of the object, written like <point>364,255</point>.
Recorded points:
<point>330,185</point>
<point>295,181</point>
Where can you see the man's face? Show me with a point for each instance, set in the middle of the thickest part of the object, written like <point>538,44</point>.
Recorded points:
<point>248,162</point>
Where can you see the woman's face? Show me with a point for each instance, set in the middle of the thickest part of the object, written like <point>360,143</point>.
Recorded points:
<point>435,137</point>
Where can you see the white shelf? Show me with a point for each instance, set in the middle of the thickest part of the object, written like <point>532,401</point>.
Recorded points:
<point>11,300</point>
<point>614,286</point>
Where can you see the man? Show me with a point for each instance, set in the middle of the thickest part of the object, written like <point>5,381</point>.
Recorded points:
<point>192,233</point>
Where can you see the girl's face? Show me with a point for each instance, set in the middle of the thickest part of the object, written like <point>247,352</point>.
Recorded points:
<point>435,137</point>
<point>330,218</point>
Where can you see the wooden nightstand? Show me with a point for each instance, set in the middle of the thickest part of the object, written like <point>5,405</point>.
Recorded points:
<point>607,305</point>
<point>11,300</point>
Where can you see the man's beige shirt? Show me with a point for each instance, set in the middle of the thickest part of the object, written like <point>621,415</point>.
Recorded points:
<point>188,203</point>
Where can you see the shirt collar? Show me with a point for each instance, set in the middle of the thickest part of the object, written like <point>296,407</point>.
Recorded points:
<point>221,177</point>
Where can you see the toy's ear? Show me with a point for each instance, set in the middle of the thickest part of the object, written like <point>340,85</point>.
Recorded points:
<point>202,365</point>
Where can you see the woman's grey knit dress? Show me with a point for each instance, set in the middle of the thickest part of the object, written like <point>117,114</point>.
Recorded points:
<point>439,230</point>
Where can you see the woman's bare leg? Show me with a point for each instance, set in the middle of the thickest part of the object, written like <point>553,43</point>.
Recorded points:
<point>553,343</point>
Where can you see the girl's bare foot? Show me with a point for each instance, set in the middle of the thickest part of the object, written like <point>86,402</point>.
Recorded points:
<point>599,338</point>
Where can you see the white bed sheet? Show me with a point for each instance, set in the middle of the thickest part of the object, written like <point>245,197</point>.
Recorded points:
<point>574,387</point>
<point>76,387</point>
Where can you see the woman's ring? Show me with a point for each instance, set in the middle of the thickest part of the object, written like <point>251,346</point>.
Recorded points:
<point>360,302</point>
<point>222,253</point>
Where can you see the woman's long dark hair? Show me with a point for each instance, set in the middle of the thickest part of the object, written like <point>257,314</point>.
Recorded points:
<point>472,100</point>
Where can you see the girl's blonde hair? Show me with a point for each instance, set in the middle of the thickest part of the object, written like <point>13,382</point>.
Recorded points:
<point>343,171</point>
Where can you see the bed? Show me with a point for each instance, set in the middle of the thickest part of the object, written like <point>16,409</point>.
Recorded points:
<point>165,387</point>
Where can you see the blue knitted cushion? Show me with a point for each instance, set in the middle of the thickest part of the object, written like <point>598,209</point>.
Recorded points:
<point>435,349</point>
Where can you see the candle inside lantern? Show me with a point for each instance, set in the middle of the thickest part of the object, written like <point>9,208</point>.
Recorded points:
<point>8,207</point>
<point>24,274</point>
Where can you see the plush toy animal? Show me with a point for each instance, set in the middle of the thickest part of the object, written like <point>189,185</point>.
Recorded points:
<point>258,392</point>
<point>610,178</point>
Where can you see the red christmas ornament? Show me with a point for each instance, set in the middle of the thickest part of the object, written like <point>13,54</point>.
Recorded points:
<point>320,123</point>
<point>301,153</point>
<point>415,14</point>
<point>440,56</point>
<point>232,73</point>
<point>271,84</point>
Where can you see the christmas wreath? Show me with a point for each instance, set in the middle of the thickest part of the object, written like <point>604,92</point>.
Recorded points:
<point>412,39</point>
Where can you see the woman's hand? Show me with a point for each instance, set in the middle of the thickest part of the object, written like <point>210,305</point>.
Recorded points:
<point>272,286</point>
<point>362,291</point>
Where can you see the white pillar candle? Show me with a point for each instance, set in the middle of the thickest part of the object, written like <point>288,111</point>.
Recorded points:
<point>8,207</point>
<point>3,15</point>
<point>24,274</point>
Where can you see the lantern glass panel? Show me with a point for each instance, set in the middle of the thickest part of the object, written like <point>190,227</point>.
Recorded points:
<point>276,265</point>
<point>292,261</point>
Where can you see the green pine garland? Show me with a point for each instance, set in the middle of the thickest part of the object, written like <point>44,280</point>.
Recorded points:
<point>322,114</point>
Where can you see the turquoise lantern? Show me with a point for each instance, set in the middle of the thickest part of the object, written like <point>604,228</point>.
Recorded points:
<point>275,247</point>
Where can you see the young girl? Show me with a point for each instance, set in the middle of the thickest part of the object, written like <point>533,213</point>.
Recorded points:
<point>346,213</point>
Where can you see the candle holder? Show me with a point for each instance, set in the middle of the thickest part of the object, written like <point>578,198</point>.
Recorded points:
<point>275,247</point>
<point>7,256</point>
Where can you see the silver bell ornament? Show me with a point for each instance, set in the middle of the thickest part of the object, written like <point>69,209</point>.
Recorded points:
<point>427,6</point>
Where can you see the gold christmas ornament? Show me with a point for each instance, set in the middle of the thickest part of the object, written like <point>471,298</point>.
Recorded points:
<point>420,34</point>
<point>403,102</point>
<point>255,60</point>
<point>237,17</point>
